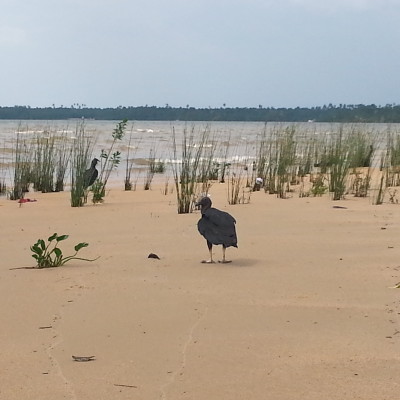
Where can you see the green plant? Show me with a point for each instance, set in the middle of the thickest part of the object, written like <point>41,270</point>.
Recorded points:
<point>238,178</point>
<point>340,156</point>
<point>262,156</point>
<point>393,196</point>
<point>82,149</point>
<point>224,164</point>
<point>276,159</point>
<point>361,183</point>
<point>287,151</point>
<point>129,163</point>
<point>188,173</point>
<point>154,166</point>
<point>110,161</point>
<point>238,193</point>
<point>22,167</point>
<point>381,191</point>
<point>44,162</point>
<point>48,257</point>
<point>3,187</point>
<point>63,158</point>
<point>318,186</point>
<point>362,149</point>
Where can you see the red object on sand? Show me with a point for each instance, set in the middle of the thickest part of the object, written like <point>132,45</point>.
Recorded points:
<point>26,200</point>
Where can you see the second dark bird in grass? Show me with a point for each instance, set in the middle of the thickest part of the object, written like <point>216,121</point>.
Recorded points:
<point>217,227</point>
<point>91,174</point>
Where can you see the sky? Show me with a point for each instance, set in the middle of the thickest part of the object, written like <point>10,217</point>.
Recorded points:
<point>199,53</point>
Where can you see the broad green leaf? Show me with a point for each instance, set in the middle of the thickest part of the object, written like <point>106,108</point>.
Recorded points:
<point>58,252</point>
<point>36,249</point>
<point>52,237</point>
<point>62,237</point>
<point>41,243</point>
<point>81,245</point>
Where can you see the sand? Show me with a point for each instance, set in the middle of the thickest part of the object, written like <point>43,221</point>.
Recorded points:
<point>304,311</point>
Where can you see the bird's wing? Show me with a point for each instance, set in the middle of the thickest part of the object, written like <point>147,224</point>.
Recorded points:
<point>220,219</point>
<point>90,176</point>
<point>218,227</point>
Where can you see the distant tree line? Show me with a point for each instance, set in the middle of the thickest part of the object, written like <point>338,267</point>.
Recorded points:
<point>326,113</point>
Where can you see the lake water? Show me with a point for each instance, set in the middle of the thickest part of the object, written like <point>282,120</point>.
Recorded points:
<point>235,141</point>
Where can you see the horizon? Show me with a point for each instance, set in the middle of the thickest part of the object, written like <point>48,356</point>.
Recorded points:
<point>84,106</point>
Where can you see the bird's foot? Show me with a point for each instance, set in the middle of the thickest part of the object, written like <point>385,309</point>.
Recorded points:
<point>208,262</point>
<point>225,261</point>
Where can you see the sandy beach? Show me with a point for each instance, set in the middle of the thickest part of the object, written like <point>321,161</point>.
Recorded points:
<point>304,311</point>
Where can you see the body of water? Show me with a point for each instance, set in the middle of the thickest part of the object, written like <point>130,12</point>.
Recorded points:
<point>230,141</point>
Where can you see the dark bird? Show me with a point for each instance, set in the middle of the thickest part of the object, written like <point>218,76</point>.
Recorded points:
<point>368,158</point>
<point>90,174</point>
<point>218,227</point>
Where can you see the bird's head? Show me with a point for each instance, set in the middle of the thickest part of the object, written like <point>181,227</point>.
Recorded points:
<point>204,203</point>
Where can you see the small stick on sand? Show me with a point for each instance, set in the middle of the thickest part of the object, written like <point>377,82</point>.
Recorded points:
<point>83,358</point>
<point>128,386</point>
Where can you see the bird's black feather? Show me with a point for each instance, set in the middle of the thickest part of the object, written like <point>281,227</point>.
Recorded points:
<point>91,174</point>
<point>218,227</point>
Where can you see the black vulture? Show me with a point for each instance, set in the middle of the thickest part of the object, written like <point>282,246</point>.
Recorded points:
<point>90,174</point>
<point>218,227</point>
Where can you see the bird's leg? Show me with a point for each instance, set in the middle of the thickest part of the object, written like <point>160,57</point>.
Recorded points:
<point>210,261</point>
<point>224,260</point>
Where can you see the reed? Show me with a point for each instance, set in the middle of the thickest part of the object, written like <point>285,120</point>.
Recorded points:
<point>319,188</point>
<point>276,161</point>
<point>129,164</point>
<point>81,155</point>
<point>378,200</point>
<point>44,163</point>
<point>263,161</point>
<point>339,163</point>
<point>272,168</point>
<point>286,161</point>
<point>63,159</point>
<point>3,186</point>
<point>392,160</point>
<point>389,168</point>
<point>239,176</point>
<point>157,166</point>
<point>363,149</point>
<point>22,156</point>
<point>110,159</point>
<point>150,171</point>
<point>238,190</point>
<point>223,166</point>
<point>186,172</point>
<point>322,156</point>
<point>208,166</point>
<point>306,158</point>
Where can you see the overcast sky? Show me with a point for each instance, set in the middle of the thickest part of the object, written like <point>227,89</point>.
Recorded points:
<point>201,53</point>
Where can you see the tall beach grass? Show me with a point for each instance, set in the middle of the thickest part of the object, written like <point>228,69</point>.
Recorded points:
<point>188,167</point>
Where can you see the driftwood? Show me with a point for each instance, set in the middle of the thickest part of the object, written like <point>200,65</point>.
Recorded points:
<point>127,386</point>
<point>83,358</point>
